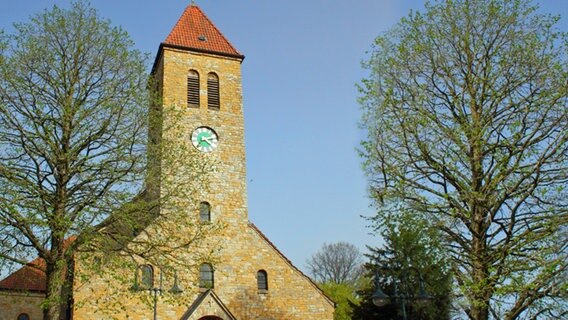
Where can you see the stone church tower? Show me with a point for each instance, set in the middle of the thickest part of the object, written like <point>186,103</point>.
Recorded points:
<point>198,71</point>
<point>232,273</point>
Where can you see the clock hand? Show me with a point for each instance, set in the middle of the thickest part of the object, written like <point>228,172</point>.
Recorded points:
<point>207,139</point>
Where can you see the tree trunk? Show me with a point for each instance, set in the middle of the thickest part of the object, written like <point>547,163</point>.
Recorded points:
<point>58,286</point>
<point>481,295</point>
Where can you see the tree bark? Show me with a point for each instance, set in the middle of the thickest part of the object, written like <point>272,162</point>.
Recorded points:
<point>480,276</point>
<point>55,305</point>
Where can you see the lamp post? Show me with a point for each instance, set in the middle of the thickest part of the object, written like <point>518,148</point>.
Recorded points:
<point>148,284</point>
<point>156,290</point>
<point>380,298</point>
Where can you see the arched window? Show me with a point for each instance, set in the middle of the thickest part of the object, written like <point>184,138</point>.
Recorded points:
<point>206,279</point>
<point>147,276</point>
<point>262,280</point>
<point>205,212</point>
<point>193,89</point>
<point>213,101</point>
<point>23,316</point>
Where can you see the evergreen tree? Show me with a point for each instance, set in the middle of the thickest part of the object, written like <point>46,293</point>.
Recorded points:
<point>412,253</point>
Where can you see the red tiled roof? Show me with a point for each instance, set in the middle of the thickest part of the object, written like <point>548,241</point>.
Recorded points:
<point>30,277</point>
<point>195,31</point>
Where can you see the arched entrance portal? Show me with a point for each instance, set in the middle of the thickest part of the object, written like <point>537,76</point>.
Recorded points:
<point>210,318</point>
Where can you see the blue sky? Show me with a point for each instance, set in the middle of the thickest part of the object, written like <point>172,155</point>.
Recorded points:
<point>306,186</point>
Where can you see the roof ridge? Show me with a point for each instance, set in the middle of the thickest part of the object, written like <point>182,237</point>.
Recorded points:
<point>215,27</point>
<point>271,244</point>
<point>196,32</point>
<point>179,20</point>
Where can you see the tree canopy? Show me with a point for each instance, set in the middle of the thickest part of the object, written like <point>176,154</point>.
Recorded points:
<point>338,270</point>
<point>73,100</point>
<point>465,108</point>
<point>339,263</point>
<point>75,112</point>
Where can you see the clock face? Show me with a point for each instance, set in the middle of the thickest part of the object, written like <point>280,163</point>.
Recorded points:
<point>204,139</point>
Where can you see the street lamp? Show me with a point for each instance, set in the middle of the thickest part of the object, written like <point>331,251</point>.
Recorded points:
<point>381,299</point>
<point>147,282</point>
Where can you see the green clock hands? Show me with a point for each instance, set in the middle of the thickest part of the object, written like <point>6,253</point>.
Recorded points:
<point>204,139</point>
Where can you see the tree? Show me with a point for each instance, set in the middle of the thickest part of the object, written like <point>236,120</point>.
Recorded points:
<point>465,110</point>
<point>74,105</point>
<point>337,262</point>
<point>338,269</point>
<point>344,296</point>
<point>412,251</point>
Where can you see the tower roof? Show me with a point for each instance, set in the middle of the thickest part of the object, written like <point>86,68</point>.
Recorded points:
<point>196,32</point>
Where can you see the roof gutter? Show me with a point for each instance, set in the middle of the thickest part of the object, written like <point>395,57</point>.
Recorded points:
<point>173,46</point>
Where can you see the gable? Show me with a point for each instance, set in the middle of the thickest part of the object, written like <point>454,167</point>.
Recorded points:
<point>289,263</point>
<point>208,304</point>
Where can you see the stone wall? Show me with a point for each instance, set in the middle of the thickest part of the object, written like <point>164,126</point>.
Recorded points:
<point>290,294</point>
<point>238,250</point>
<point>14,303</point>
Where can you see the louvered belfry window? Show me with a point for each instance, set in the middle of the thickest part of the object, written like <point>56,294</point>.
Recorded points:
<point>193,89</point>
<point>213,101</point>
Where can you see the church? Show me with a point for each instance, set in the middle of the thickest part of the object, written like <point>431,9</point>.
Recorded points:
<point>232,273</point>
